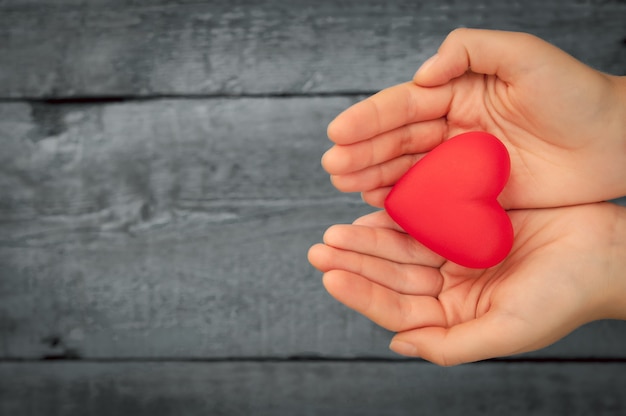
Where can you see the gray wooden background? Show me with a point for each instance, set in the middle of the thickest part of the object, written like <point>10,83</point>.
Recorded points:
<point>160,186</point>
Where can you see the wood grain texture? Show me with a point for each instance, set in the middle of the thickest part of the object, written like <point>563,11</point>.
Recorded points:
<point>311,388</point>
<point>179,228</point>
<point>153,248</point>
<point>185,237</point>
<point>125,48</point>
<point>197,154</point>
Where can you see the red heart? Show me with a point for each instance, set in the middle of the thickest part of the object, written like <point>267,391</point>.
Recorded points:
<point>447,200</point>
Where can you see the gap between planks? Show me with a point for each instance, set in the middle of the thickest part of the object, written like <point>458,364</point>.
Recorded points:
<point>315,359</point>
<point>116,99</point>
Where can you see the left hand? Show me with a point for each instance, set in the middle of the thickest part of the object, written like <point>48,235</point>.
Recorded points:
<point>561,121</point>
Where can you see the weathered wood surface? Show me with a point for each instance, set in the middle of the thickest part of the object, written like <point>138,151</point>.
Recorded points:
<point>167,228</point>
<point>197,153</point>
<point>179,228</point>
<point>311,388</point>
<point>138,236</point>
<point>125,48</point>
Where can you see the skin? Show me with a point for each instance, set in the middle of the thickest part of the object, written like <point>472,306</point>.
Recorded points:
<point>562,122</point>
<point>564,127</point>
<point>567,268</point>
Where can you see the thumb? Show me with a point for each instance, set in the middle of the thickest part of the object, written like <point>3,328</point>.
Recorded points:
<point>489,52</point>
<point>490,336</point>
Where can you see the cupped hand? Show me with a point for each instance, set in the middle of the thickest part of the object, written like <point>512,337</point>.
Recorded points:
<point>567,268</point>
<point>562,122</point>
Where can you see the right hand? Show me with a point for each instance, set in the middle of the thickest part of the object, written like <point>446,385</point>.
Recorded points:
<point>567,268</point>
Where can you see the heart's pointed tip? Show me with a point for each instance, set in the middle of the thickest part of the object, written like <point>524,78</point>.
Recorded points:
<point>494,253</point>
<point>486,245</point>
<point>493,259</point>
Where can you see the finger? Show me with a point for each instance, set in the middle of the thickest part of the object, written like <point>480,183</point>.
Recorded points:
<point>387,110</point>
<point>317,257</point>
<point>376,197</point>
<point>408,279</point>
<point>489,52</point>
<point>373,177</point>
<point>378,219</point>
<point>387,308</point>
<point>380,242</point>
<point>409,139</point>
<point>490,336</point>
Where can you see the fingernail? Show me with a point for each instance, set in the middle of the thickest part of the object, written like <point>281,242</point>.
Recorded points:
<point>324,156</point>
<point>329,129</point>
<point>359,220</point>
<point>429,62</point>
<point>403,348</point>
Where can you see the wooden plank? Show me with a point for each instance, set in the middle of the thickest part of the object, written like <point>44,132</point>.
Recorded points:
<point>311,388</point>
<point>179,228</point>
<point>195,286</point>
<point>161,157</point>
<point>74,48</point>
<point>168,155</point>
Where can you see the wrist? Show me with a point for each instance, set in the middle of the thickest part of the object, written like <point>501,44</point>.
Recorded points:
<point>619,87</point>
<point>616,286</point>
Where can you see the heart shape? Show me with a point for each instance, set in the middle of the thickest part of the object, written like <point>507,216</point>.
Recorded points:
<point>448,200</point>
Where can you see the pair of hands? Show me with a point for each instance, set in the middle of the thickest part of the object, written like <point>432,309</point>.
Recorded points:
<point>564,127</point>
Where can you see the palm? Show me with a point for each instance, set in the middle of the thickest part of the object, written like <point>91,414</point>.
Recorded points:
<point>550,154</point>
<point>379,271</point>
